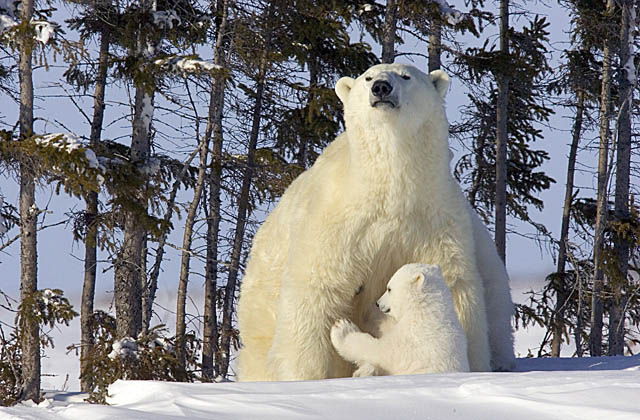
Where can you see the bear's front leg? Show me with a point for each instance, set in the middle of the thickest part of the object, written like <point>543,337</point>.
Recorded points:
<point>468,299</point>
<point>301,348</point>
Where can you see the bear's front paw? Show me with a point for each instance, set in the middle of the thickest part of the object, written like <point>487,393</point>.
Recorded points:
<point>366,369</point>
<point>341,329</point>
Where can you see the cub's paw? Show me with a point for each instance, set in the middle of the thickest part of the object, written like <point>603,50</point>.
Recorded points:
<point>366,370</point>
<point>342,328</point>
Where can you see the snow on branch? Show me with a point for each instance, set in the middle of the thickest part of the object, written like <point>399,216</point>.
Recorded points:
<point>166,18</point>
<point>186,65</point>
<point>124,349</point>
<point>453,15</point>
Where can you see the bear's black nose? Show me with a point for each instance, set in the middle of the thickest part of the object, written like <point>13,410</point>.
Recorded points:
<point>381,89</point>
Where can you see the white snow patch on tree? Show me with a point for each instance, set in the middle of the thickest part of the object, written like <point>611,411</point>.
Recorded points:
<point>6,22</point>
<point>61,141</point>
<point>124,349</point>
<point>44,30</point>
<point>186,65</point>
<point>166,18</point>
<point>453,15</point>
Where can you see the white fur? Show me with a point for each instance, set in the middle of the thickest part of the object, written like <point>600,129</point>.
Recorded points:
<point>380,196</point>
<point>426,338</point>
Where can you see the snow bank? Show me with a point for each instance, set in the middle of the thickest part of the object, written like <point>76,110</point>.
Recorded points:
<point>563,389</point>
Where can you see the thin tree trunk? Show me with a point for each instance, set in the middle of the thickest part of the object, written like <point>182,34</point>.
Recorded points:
<point>243,206</point>
<point>595,338</point>
<point>389,32</point>
<point>30,329</point>
<point>435,46</point>
<point>214,127</point>
<point>561,286</point>
<point>623,162</point>
<point>128,273</point>
<point>186,255</point>
<point>90,249</point>
<point>502,138</point>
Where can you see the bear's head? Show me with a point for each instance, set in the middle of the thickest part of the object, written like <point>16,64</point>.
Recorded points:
<point>410,284</point>
<point>398,95</point>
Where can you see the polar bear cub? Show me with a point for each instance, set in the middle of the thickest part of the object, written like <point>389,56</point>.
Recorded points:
<point>426,336</point>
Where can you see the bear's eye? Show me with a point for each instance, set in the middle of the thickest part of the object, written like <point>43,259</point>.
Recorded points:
<point>388,290</point>
<point>368,78</point>
<point>406,77</point>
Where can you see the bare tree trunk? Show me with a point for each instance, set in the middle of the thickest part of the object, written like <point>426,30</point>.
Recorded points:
<point>243,205</point>
<point>623,162</point>
<point>186,254</point>
<point>29,327</point>
<point>214,127</point>
<point>128,271</point>
<point>561,286</point>
<point>435,46</point>
<point>90,249</point>
<point>502,138</point>
<point>595,338</point>
<point>389,32</point>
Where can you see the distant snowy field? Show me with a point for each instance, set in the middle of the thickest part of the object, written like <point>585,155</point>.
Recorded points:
<point>543,389</point>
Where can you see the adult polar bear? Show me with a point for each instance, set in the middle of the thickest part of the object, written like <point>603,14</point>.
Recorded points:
<point>380,196</point>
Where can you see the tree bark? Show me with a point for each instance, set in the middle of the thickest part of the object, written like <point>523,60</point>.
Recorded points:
<point>626,80</point>
<point>561,286</point>
<point>91,199</point>
<point>128,272</point>
<point>214,128</point>
<point>186,254</point>
<point>29,326</point>
<point>502,137</point>
<point>389,32</point>
<point>595,337</point>
<point>241,218</point>
<point>435,46</point>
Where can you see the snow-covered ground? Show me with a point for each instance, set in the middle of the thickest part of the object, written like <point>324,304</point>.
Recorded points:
<point>542,389</point>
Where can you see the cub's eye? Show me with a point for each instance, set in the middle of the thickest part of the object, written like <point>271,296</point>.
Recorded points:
<point>368,78</point>
<point>406,77</point>
<point>388,289</point>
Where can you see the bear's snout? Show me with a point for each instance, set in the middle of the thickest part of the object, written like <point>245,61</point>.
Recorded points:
<point>381,89</point>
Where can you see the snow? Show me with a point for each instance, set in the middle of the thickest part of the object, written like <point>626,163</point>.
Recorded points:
<point>6,22</point>
<point>8,12</point>
<point>124,349</point>
<point>44,30</point>
<point>454,16</point>
<point>186,65</point>
<point>563,389</point>
<point>166,18</point>
<point>61,141</point>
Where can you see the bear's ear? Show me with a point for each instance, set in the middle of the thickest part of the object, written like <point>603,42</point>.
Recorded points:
<point>418,280</point>
<point>343,87</point>
<point>440,81</point>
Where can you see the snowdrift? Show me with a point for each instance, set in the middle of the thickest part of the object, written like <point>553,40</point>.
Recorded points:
<point>542,389</point>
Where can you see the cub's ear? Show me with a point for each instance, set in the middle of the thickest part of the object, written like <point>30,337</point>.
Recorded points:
<point>418,280</point>
<point>440,81</point>
<point>343,87</point>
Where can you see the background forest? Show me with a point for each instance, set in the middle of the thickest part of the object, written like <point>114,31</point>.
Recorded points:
<point>184,121</point>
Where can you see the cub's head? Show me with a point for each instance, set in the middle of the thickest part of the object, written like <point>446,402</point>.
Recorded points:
<point>410,284</point>
<point>394,94</point>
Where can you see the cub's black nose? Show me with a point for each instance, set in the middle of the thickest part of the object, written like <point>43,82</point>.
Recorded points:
<point>381,88</point>
<point>377,304</point>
